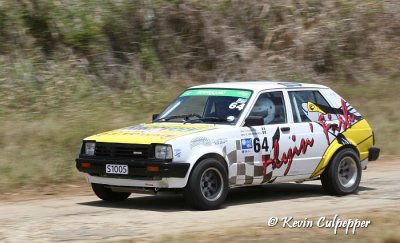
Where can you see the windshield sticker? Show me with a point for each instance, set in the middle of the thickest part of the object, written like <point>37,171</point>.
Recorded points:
<point>218,92</point>
<point>230,118</point>
<point>237,106</point>
<point>241,101</point>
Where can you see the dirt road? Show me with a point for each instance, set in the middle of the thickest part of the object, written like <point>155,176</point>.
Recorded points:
<point>86,218</point>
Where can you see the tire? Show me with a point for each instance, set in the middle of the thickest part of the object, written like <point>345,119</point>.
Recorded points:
<point>107,194</point>
<point>343,174</point>
<point>207,187</point>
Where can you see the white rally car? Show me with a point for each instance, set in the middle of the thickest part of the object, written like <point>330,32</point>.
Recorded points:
<point>218,136</point>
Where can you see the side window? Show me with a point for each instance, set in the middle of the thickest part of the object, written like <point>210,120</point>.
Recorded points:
<point>307,105</point>
<point>271,107</point>
<point>319,99</point>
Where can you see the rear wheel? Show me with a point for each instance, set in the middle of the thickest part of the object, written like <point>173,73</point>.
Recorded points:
<point>107,194</point>
<point>207,187</point>
<point>343,174</point>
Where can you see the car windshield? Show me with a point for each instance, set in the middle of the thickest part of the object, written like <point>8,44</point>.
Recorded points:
<point>223,106</point>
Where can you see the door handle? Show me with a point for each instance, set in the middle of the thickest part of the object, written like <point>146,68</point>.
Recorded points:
<point>285,129</point>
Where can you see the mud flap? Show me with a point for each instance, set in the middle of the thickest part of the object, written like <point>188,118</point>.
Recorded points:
<point>373,153</point>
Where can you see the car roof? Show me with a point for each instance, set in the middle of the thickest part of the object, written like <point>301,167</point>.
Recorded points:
<point>260,85</point>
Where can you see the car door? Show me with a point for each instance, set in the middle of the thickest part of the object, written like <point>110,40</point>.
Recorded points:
<point>309,108</point>
<point>263,148</point>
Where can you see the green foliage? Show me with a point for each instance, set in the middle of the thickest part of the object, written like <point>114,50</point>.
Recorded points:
<point>78,25</point>
<point>148,54</point>
<point>3,23</point>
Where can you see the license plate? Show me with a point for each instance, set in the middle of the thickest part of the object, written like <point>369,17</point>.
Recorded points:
<point>116,169</point>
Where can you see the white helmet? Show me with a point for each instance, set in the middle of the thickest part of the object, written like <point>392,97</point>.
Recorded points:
<point>264,107</point>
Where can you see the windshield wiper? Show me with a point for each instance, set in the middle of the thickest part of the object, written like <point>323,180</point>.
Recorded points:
<point>185,117</point>
<point>208,118</point>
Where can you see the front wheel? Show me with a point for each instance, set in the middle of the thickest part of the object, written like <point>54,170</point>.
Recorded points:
<point>207,187</point>
<point>343,174</point>
<point>107,194</point>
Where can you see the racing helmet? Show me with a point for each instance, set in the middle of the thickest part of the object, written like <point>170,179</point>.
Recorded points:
<point>265,108</point>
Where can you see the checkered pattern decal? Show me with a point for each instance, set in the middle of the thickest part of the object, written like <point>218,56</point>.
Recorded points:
<point>246,172</point>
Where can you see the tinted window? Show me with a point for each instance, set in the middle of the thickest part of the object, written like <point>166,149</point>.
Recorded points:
<point>207,106</point>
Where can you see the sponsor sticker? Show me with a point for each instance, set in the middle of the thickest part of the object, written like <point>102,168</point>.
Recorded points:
<point>200,141</point>
<point>241,101</point>
<point>178,153</point>
<point>247,143</point>
<point>245,94</point>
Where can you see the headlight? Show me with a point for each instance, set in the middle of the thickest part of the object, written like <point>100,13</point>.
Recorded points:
<point>163,151</point>
<point>90,148</point>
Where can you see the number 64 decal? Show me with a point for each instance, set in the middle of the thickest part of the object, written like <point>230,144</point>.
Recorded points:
<point>236,105</point>
<point>258,146</point>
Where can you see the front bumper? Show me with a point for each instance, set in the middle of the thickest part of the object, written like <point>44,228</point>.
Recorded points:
<point>136,169</point>
<point>132,183</point>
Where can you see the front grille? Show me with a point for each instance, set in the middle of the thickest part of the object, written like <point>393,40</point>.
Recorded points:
<point>119,150</point>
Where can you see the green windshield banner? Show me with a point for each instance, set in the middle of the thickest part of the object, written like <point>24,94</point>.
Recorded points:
<point>218,92</point>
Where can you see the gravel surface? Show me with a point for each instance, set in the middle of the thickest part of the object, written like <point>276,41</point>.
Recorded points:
<point>86,218</point>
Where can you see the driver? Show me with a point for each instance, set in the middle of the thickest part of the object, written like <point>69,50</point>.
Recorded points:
<point>265,108</point>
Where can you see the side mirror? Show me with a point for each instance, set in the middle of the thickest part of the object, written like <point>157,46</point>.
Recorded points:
<point>254,121</point>
<point>154,116</point>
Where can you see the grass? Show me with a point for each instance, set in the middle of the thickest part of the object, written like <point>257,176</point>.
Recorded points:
<point>379,104</point>
<point>39,144</point>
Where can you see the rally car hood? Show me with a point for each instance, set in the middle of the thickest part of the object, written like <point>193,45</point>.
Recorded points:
<point>149,133</point>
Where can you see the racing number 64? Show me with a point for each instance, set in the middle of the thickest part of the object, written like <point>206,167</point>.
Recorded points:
<point>258,146</point>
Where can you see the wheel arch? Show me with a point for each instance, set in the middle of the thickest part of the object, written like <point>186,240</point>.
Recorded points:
<point>214,156</point>
<point>330,154</point>
<point>345,146</point>
<point>350,146</point>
